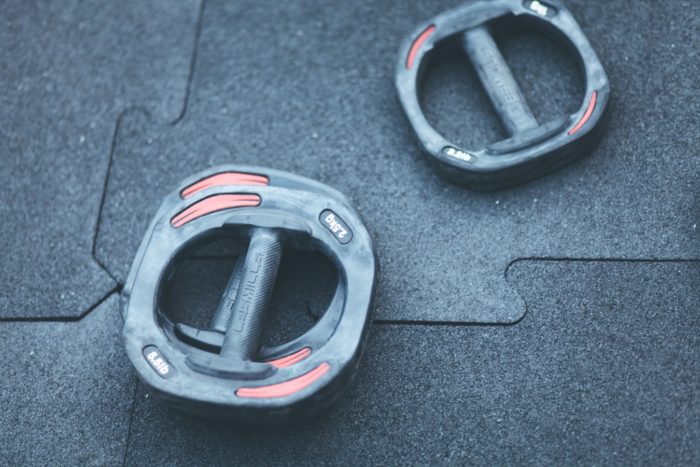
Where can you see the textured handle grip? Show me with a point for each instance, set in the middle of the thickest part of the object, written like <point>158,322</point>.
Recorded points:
<point>225,310</point>
<point>258,275</point>
<point>498,81</point>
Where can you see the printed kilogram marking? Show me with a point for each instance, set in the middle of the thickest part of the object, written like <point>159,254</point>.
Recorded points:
<point>337,226</point>
<point>540,8</point>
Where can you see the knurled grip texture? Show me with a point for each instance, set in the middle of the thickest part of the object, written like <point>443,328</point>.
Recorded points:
<point>225,310</point>
<point>498,81</point>
<point>258,277</point>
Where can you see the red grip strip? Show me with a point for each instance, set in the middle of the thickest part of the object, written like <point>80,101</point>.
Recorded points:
<point>415,47</point>
<point>213,204</point>
<point>586,115</point>
<point>287,388</point>
<point>291,359</point>
<point>225,178</point>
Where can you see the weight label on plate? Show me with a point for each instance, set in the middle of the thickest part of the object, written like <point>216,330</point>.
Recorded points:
<point>541,8</point>
<point>457,154</point>
<point>159,364</point>
<point>336,225</point>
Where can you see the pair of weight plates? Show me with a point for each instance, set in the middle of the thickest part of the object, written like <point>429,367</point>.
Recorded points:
<point>223,371</point>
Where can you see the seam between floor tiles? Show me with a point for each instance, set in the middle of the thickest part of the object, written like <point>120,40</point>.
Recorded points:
<point>417,322</point>
<point>193,63</point>
<point>115,134</point>
<point>131,420</point>
<point>63,319</point>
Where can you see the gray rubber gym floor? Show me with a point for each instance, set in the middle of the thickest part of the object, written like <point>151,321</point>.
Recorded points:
<point>553,323</point>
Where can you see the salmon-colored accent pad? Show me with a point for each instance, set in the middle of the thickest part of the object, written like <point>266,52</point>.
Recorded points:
<point>415,47</point>
<point>213,204</point>
<point>224,178</point>
<point>586,115</point>
<point>291,359</point>
<point>286,388</point>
